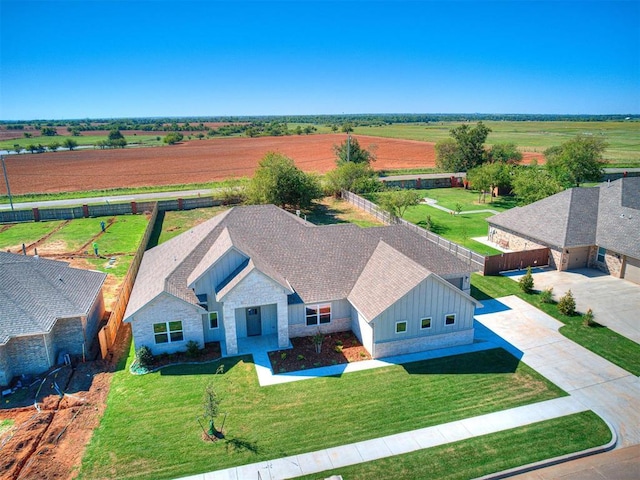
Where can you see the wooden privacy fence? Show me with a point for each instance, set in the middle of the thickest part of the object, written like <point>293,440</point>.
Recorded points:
<point>495,264</point>
<point>475,260</point>
<point>107,334</point>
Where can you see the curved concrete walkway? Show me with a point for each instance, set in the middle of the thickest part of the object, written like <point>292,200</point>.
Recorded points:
<point>532,336</point>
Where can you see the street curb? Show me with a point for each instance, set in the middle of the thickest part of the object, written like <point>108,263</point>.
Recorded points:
<point>556,460</point>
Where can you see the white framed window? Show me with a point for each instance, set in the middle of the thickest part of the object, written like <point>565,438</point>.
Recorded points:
<point>401,327</point>
<point>213,320</point>
<point>168,332</point>
<point>425,323</point>
<point>450,319</point>
<point>318,314</point>
<point>601,254</point>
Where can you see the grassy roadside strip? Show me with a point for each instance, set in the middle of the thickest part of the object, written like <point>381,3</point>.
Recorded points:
<point>599,339</point>
<point>487,454</point>
<point>39,197</point>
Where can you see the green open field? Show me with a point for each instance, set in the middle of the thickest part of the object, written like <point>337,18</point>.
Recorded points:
<point>82,140</point>
<point>146,414</point>
<point>623,137</point>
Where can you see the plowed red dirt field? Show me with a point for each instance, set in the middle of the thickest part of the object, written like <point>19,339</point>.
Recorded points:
<point>197,161</point>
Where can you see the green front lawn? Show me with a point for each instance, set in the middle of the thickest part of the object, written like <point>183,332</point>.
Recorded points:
<point>486,454</point>
<point>599,339</point>
<point>149,429</point>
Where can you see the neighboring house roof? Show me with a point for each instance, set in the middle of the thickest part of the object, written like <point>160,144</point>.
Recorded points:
<point>607,215</point>
<point>35,292</point>
<point>619,217</point>
<point>318,263</point>
<point>567,219</point>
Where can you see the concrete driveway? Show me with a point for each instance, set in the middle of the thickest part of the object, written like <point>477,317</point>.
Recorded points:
<point>615,302</point>
<point>532,336</point>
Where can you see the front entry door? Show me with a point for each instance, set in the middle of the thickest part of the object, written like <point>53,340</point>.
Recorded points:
<point>254,324</point>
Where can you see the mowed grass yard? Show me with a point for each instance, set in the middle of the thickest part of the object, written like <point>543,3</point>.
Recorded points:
<point>149,429</point>
<point>460,229</point>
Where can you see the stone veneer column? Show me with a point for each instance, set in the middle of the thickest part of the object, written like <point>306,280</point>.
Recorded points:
<point>230,334</point>
<point>283,322</point>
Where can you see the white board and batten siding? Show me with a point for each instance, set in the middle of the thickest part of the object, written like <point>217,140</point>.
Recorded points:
<point>218,273</point>
<point>362,329</point>
<point>431,298</point>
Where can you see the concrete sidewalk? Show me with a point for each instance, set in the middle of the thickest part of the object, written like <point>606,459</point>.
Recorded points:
<point>406,442</point>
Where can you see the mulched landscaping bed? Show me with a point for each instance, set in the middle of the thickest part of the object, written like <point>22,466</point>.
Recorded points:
<point>337,348</point>
<point>210,352</point>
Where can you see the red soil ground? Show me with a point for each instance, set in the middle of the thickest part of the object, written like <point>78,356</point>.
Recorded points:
<point>197,161</point>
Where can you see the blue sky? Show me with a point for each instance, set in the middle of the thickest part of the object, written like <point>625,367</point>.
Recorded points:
<point>96,59</point>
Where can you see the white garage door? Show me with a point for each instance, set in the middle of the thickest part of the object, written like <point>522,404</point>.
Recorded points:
<point>578,258</point>
<point>632,270</point>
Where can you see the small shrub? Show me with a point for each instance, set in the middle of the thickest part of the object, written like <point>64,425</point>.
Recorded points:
<point>526,282</point>
<point>567,304</point>
<point>338,348</point>
<point>588,319</point>
<point>363,355</point>
<point>145,357</point>
<point>546,296</point>
<point>282,370</point>
<point>300,357</point>
<point>334,362</point>
<point>428,224</point>
<point>283,356</point>
<point>317,364</point>
<point>317,341</point>
<point>302,367</point>
<point>339,343</point>
<point>193,349</point>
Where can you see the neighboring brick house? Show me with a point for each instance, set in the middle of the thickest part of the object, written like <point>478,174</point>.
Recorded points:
<point>259,270</point>
<point>46,308</point>
<point>595,227</point>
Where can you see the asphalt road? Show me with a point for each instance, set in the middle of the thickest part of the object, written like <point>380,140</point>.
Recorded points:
<point>72,202</point>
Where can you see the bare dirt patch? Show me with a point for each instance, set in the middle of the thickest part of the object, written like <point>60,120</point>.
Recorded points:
<point>49,444</point>
<point>196,161</point>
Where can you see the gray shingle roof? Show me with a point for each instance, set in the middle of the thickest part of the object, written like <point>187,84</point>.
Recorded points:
<point>319,263</point>
<point>35,292</point>
<point>619,217</point>
<point>387,277</point>
<point>566,219</point>
<point>607,215</point>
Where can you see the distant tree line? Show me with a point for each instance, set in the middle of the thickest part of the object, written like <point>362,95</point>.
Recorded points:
<point>195,124</point>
